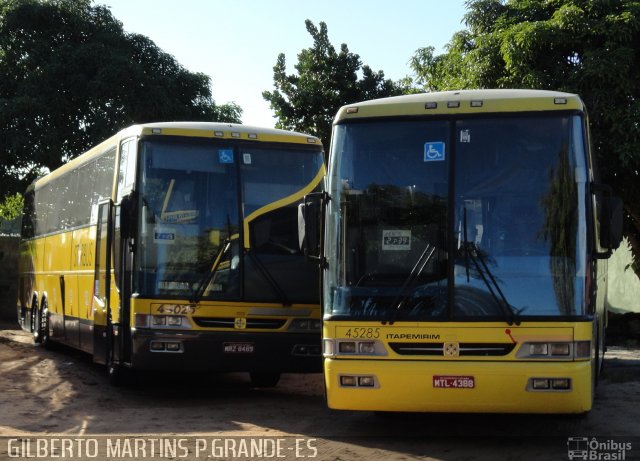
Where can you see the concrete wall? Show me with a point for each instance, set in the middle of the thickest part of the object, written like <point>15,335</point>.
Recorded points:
<point>8,277</point>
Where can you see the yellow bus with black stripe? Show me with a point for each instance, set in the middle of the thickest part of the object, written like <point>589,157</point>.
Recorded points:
<point>464,254</point>
<point>174,246</point>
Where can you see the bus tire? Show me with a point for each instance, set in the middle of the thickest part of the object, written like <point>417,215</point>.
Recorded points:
<point>115,374</point>
<point>44,337</point>
<point>35,321</point>
<point>264,378</point>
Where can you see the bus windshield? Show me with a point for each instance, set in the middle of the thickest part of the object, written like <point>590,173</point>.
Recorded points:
<point>224,215</point>
<point>475,218</point>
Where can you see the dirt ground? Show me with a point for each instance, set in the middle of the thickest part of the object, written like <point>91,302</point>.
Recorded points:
<point>61,395</point>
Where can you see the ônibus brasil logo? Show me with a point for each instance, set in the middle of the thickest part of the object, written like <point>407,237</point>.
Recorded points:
<point>593,449</point>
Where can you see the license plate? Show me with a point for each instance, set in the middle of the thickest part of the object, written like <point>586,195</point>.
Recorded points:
<point>454,382</point>
<point>239,348</point>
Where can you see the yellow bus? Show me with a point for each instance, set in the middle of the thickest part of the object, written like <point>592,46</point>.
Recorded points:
<point>174,246</point>
<point>464,254</point>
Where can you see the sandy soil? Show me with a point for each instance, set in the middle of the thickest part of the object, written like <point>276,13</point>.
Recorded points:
<point>63,394</point>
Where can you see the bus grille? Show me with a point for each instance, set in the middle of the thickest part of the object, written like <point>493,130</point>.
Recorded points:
<point>230,322</point>
<point>466,349</point>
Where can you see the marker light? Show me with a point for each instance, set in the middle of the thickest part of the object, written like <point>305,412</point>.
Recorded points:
<point>311,140</point>
<point>142,320</point>
<point>328,348</point>
<point>253,136</point>
<point>352,110</point>
<point>431,105</point>
<point>453,104</point>
<point>583,349</point>
<point>156,130</point>
<point>476,103</point>
<point>219,134</point>
<point>235,134</point>
<point>560,100</point>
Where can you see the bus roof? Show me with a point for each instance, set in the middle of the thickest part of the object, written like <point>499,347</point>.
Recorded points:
<point>220,130</point>
<point>462,102</point>
<point>188,129</point>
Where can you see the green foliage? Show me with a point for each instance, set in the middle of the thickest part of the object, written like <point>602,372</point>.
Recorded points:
<point>11,208</point>
<point>326,79</point>
<point>70,77</point>
<point>589,47</point>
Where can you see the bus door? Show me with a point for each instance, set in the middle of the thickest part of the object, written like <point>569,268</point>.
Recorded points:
<point>103,334</point>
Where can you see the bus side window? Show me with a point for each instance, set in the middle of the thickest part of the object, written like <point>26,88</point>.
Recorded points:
<point>127,169</point>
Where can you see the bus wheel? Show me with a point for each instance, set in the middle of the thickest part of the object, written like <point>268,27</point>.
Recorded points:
<point>114,373</point>
<point>43,326</point>
<point>35,321</point>
<point>264,378</point>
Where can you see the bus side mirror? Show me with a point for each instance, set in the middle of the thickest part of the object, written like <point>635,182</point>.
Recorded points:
<point>127,216</point>
<point>612,223</point>
<point>611,213</point>
<point>310,225</point>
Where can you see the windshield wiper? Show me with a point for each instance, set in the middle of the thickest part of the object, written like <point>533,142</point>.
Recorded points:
<point>471,251</point>
<point>206,280</point>
<point>284,300</point>
<point>417,269</point>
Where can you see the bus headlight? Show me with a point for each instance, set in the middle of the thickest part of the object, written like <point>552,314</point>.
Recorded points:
<point>367,347</point>
<point>339,347</point>
<point>357,381</point>
<point>555,350</point>
<point>559,348</point>
<point>348,347</point>
<point>160,321</point>
<point>174,320</point>
<point>305,325</point>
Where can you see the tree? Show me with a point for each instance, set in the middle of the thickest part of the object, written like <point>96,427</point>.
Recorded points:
<point>325,81</point>
<point>581,46</point>
<point>70,77</point>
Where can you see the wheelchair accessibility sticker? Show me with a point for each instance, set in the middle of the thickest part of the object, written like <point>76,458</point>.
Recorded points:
<point>434,151</point>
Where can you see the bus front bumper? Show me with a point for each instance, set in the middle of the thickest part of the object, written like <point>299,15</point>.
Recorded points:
<point>453,387</point>
<point>173,350</point>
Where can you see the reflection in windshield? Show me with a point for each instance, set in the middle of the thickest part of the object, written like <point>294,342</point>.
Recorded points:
<point>393,206</point>
<point>519,191</point>
<point>192,220</point>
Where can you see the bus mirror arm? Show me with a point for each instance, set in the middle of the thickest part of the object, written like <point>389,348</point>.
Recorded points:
<point>310,224</point>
